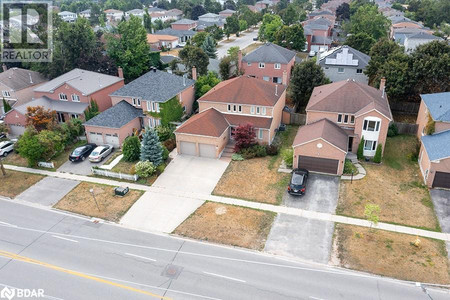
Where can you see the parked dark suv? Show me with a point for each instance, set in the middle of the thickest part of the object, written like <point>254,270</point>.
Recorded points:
<point>82,152</point>
<point>297,185</point>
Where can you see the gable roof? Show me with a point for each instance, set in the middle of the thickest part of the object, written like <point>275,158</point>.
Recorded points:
<point>209,122</point>
<point>363,59</point>
<point>184,21</point>
<point>87,82</point>
<point>245,90</point>
<point>423,36</point>
<point>270,53</point>
<point>320,13</point>
<point>155,85</point>
<point>174,32</point>
<point>155,38</point>
<point>56,105</point>
<point>18,79</point>
<point>227,11</point>
<point>323,129</point>
<point>348,96</point>
<point>437,145</point>
<point>438,105</point>
<point>116,116</point>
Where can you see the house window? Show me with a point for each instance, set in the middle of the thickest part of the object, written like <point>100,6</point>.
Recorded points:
<point>263,112</point>
<point>234,108</point>
<point>371,125</point>
<point>6,94</point>
<point>370,145</point>
<point>339,118</point>
<point>149,106</point>
<point>340,70</point>
<point>151,122</point>
<point>276,79</point>
<point>260,134</point>
<point>352,119</point>
<point>74,116</point>
<point>240,108</point>
<point>358,71</point>
<point>62,97</point>
<point>157,107</point>
<point>249,64</point>
<point>262,65</point>
<point>136,102</point>
<point>75,98</point>
<point>266,78</point>
<point>277,66</point>
<point>345,119</point>
<point>229,107</point>
<point>252,110</point>
<point>258,110</point>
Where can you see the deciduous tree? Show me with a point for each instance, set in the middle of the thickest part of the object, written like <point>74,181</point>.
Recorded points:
<point>291,37</point>
<point>131,148</point>
<point>40,118</point>
<point>245,136</point>
<point>194,56</point>
<point>361,41</point>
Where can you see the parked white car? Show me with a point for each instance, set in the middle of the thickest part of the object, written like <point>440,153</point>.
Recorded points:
<point>6,147</point>
<point>99,153</point>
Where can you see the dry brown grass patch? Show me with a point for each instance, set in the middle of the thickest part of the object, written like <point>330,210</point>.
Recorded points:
<point>227,224</point>
<point>392,254</point>
<point>112,207</point>
<point>251,47</point>
<point>15,182</point>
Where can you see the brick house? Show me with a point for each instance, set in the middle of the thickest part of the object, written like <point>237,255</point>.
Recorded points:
<point>69,95</point>
<point>226,13</point>
<point>434,155</point>
<point>237,101</point>
<point>269,62</point>
<point>184,24</point>
<point>337,116</point>
<point>159,41</point>
<point>138,98</point>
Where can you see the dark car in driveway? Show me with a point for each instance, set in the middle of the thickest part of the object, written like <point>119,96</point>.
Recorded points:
<point>82,152</point>
<point>297,184</point>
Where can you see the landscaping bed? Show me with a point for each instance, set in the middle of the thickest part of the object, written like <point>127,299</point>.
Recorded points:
<point>112,208</point>
<point>15,182</point>
<point>228,224</point>
<point>391,254</point>
<point>395,185</point>
<point>257,179</point>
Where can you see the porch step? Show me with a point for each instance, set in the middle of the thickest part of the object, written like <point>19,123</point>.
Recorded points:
<point>227,154</point>
<point>228,150</point>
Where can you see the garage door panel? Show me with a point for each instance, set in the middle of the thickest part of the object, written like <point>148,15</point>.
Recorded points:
<point>441,180</point>
<point>316,164</point>
<point>207,150</point>
<point>95,137</point>
<point>112,139</point>
<point>16,130</point>
<point>188,148</point>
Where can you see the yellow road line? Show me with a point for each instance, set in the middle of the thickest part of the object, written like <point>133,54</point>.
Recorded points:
<point>71,272</point>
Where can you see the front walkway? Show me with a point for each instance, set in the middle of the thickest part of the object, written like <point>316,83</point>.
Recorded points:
<point>190,196</point>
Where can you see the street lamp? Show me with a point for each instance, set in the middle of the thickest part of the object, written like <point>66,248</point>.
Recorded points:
<point>95,200</point>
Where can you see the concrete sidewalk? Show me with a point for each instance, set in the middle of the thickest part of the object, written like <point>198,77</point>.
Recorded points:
<point>190,196</point>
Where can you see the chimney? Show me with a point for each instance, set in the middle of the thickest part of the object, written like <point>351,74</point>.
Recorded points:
<point>239,59</point>
<point>284,80</point>
<point>194,73</point>
<point>120,72</point>
<point>383,85</point>
<point>5,68</point>
<point>276,89</point>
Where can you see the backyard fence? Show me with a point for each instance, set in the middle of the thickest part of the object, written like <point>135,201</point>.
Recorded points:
<point>107,173</point>
<point>298,119</point>
<point>407,108</point>
<point>44,164</point>
<point>406,128</point>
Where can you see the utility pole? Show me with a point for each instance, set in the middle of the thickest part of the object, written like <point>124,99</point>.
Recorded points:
<point>95,200</point>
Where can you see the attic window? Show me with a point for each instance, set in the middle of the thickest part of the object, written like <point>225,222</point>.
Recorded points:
<point>339,120</point>
<point>277,66</point>
<point>262,65</point>
<point>359,71</point>
<point>6,94</point>
<point>62,97</point>
<point>352,119</point>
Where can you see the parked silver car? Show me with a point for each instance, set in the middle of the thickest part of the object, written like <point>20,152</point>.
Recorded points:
<point>99,153</point>
<point>6,147</point>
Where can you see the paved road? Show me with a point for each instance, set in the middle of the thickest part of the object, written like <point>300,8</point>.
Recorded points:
<point>74,258</point>
<point>242,42</point>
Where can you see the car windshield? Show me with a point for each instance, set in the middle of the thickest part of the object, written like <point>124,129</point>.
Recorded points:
<point>297,179</point>
<point>78,151</point>
<point>95,153</point>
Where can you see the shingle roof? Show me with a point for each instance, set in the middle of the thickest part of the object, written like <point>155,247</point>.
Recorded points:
<point>87,82</point>
<point>209,122</point>
<point>320,13</point>
<point>18,79</point>
<point>116,116</point>
<point>318,39</point>
<point>363,59</point>
<point>167,59</point>
<point>348,96</point>
<point>177,33</point>
<point>437,145</point>
<point>423,36</point>
<point>155,86</point>
<point>324,129</point>
<point>184,21</point>
<point>257,122</point>
<point>56,105</point>
<point>209,15</point>
<point>245,90</point>
<point>227,11</point>
<point>438,105</point>
<point>155,38</point>
<point>270,53</point>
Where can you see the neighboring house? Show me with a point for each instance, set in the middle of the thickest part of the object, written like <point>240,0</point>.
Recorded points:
<point>344,62</point>
<point>253,8</point>
<point>434,155</point>
<point>159,16</point>
<point>114,124</point>
<point>318,34</point>
<point>17,85</point>
<point>415,40</point>
<point>238,101</point>
<point>208,20</point>
<point>226,13</point>
<point>160,41</point>
<point>68,16</point>
<point>135,12</point>
<point>85,13</point>
<point>337,116</point>
<point>174,14</point>
<point>319,13</point>
<point>114,14</point>
<point>399,34</point>
<point>183,35</point>
<point>184,24</point>
<point>269,62</point>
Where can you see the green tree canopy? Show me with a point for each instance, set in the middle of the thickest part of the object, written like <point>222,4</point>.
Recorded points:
<point>361,41</point>
<point>209,47</point>
<point>205,83</point>
<point>369,20</point>
<point>270,25</point>
<point>291,37</point>
<point>194,56</point>
<point>151,148</point>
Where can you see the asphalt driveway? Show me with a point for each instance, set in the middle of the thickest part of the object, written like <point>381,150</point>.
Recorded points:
<point>79,168</point>
<point>48,191</point>
<point>441,201</point>
<point>321,194</point>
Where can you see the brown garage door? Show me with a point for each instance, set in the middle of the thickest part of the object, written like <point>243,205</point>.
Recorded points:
<point>441,180</point>
<point>315,164</point>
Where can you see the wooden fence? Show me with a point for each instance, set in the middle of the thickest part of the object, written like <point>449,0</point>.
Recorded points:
<point>298,119</point>
<point>107,173</point>
<point>407,108</point>
<point>406,128</point>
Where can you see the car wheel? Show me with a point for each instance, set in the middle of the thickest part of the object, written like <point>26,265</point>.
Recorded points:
<point>101,159</point>
<point>83,158</point>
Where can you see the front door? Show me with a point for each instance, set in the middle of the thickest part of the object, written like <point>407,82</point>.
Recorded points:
<point>350,143</point>
<point>232,129</point>
<point>61,118</point>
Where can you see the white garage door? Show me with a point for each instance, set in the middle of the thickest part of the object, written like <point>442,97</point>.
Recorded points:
<point>112,139</point>
<point>207,150</point>
<point>187,148</point>
<point>16,130</point>
<point>96,138</point>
